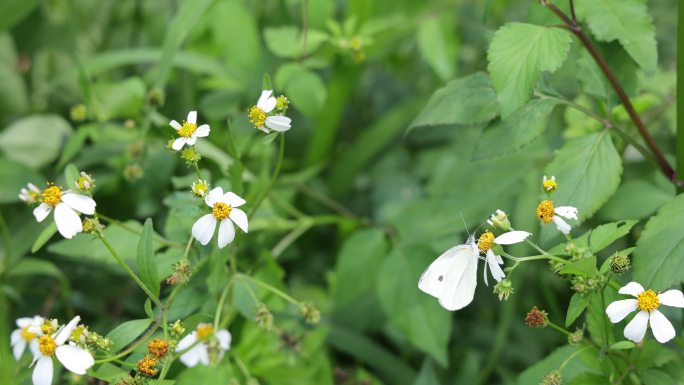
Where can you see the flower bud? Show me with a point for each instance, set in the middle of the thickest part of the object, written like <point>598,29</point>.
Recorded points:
<point>190,155</point>
<point>78,113</point>
<point>576,337</point>
<point>85,182</point>
<point>177,329</point>
<point>199,188</point>
<point>264,318</point>
<point>500,221</point>
<point>503,289</point>
<point>282,103</point>
<point>310,313</point>
<point>549,185</point>
<point>156,97</point>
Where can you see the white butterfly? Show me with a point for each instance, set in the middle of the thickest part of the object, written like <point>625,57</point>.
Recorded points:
<point>452,277</point>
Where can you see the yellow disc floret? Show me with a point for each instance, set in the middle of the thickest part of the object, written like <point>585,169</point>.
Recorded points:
<point>545,211</point>
<point>485,241</point>
<point>146,366</point>
<point>648,300</point>
<point>47,345</point>
<point>550,185</point>
<point>221,210</point>
<point>158,348</point>
<point>48,326</point>
<point>52,195</point>
<point>27,335</point>
<point>257,116</point>
<point>187,129</point>
<point>204,331</point>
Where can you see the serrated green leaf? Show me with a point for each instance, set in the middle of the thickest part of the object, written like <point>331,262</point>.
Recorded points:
<point>585,267</point>
<point>602,236</point>
<point>517,55</point>
<point>145,259</point>
<point>627,21</point>
<point>510,135</point>
<point>578,303</point>
<point>657,262</point>
<point>426,324</point>
<point>465,101</point>
<point>127,332</point>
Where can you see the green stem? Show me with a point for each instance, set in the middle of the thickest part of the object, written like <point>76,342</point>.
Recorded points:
<point>219,308</point>
<point>274,177</point>
<point>680,95</point>
<point>197,171</point>
<point>535,257</point>
<point>573,355</point>
<point>128,270</point>
<point>157,238</point>
<point>6,261</point>
<point>133,346</point>
<point>558,328</point>
<point>271,289</point>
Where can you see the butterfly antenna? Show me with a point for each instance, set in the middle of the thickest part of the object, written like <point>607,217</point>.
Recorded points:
<point>464,223</point>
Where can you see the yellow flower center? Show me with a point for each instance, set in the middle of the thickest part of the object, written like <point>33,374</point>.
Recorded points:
<point>158,348</point>
<point>221,210</point>
<point>545,211</point>
<point>47,345</point>
<point>282,102</point>
<point>147,365</point>
<point>52,195</point>
<point>550,185</point>
<point>204,331</point>
<point>485,241</point>
<point>257,116</point>
<point>187,129</point>
<point>27,335</point>
<point>47,327</point>
<point>648,300</point>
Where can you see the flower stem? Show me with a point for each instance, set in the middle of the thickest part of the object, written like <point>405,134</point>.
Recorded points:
<point>270,288</point>
<point>274,177</point>
<point>128,228</point>
<point>680,95</point>
<point>128,270</point>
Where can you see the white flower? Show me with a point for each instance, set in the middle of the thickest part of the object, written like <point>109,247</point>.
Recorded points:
<point>67,204</point>
<point>30,193</point>
<point>27,334</point>
<point>260,118</point>
<point>547,212</point>
<point>224,209</point>
<point>204,339</point>
<point>485,244</point>
<point>188,131</point>
<point>647,302</point>
<point>75,359</point>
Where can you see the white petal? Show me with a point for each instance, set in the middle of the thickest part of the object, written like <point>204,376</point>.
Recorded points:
<point>42,373</point>
<point>672,298</point>
<point>64,333</point>
<point>68,222</point>
<point>75,359</point>
<point>175,125</point>
<point>186,342</point>
<point>42,211</point>
<point>266,102</point>
<point>191,140</point>
<point>15,336</point>
<point>561,225</point>
<point>192,117</point>
<point>204,228</point>
<point>567,212</point>
<point>179,143</point>
<point>636,328</point>
<point>511,237</point>
<point>18,348</point>
<point>215,195</point>
<point>33,188</point>
<point>485,278</point>
<point>632,289</point>
<point>24,321</point>
<point>202,131</point>
<point>226,233</point>
<point>278,123</point>
<point>194,355</point>
<point>233,200</point>
<point>264,129</point>
<point>618,310</point>
<point>660,326</point>
<point>33,345</point>
<point>203,354</point>
<point>224,338</point>
<point>240,218</point>
<point>80,203</point>
<point>497,272</point>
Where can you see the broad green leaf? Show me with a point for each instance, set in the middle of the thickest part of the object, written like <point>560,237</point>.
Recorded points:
<point>418,315</point>
<point>438,45</point>
<point>572,368</point>
<point>510,135</point>
<point>13,177</point>
<point>356,303</point>
<point>35,266</point>
<point>147,264</point>
<point>202,374</point>
<point>127,332</point>
<point>578,303</point>
<point>585,266</point>
<point>13,11</point>
<point>427,375</point>
<point>44,237</point>
<point>245,297</point>
<point>465,101</point>
<point>657,262</point>
<point>231,19</point>
<point>588,172</point>
<point>122,99</point>
<point>517,55</point>
<point>287,41</point>
<point>602,236</point>
<point>622,345</point>
<point>35,140</point>
<point>110,373</point>
<point>627,21</point>
<point>303,87</point>
<point>71,175</point>
<point>589,379</point>
<point>638,198</point>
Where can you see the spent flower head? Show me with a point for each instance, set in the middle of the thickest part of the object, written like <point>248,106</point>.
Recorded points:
<point>147,366</point>
<point>619,263</point>
<point>536,318</point>
<point>553,378</point>
<point>158,347</point>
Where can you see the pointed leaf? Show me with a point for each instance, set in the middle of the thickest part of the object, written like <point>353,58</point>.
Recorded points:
<point>146,262</point>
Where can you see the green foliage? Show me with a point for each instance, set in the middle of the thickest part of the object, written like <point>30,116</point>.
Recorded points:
<point>517,55</point>
<point>35,141</point>
<point>146,260</point>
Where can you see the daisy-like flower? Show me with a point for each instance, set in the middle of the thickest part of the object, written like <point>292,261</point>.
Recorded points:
<point>75,359</point>
<point>29,194</point>
<point>224,210</point>
<point>218,342</point>
<point>261,115</point>
<point>647,302</point>
<point>188,131</point>
<point>485,243</point>
<point>26,335</point>
<point>547,212</point>
<point>67,205</point>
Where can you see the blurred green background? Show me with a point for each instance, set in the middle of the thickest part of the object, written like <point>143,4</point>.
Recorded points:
<point>363,204</point>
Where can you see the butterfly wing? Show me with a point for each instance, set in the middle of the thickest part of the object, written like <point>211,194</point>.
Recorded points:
<point>434,279</point>
<point>461,279</point>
